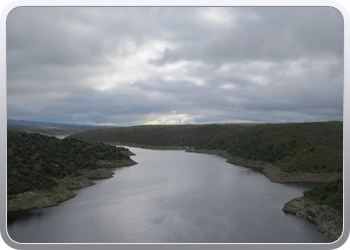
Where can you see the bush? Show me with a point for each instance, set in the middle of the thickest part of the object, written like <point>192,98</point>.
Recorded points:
<point>54,158</point>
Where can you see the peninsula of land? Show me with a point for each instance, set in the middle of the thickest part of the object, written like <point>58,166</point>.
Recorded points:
<point>43,170</point>
<point>63,191</point>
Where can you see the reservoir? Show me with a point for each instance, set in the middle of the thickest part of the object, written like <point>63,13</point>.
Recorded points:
<point>172,196</point>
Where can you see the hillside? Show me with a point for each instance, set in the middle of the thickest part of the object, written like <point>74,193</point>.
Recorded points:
<point>162,135</point>
<point>315,147</point>
<point>37,161</point>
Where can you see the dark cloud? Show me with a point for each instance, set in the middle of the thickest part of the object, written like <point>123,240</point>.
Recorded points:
<point>143,65</point>
<point>267,34</point>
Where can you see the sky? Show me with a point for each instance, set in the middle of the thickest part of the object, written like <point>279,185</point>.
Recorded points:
<point>175,65</point>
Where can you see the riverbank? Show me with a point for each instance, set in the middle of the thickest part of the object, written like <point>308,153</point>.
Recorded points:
<point>327,220</point>
<point>273,173</point>
<point>63,191</point>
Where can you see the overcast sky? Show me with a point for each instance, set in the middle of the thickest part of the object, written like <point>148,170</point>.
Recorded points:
<point>174,65</point>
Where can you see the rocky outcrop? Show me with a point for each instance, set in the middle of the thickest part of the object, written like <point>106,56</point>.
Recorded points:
<point>326,218</point>
<point>48,198</point>
<point>62,192</point>
<point>38,199</point>
<point>276,175</point>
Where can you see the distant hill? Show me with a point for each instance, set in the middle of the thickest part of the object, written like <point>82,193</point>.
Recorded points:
<point>315,147</point>
<point>50,128</point>
<point>41,123</point>
<point>163,135</point>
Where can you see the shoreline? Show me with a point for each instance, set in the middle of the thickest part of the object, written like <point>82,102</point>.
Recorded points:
<point>63,191</point>
<point>320,213</point>
<point>273,173</point>
<point>327,221</point>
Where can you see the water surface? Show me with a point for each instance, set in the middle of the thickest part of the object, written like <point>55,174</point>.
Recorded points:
<point>173,197</point>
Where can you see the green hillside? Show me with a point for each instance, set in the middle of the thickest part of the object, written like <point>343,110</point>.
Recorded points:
<point>315,147</point>
<point>330,194</point>
<point>34,160</point>
<point>293,147</point>
<point>163,135</point>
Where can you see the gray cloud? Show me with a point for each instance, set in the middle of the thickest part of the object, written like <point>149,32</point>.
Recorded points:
<point>268,34</point>
<point>144,65</point>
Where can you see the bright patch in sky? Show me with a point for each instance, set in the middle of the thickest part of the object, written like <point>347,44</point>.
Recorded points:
<point>172,118</point>
<point>130,66</point>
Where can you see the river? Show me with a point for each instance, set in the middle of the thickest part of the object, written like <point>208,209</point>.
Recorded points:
<point>172,196</point>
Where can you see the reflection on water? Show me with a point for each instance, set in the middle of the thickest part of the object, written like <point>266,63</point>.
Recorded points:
<point>250,172</point>
<point>20,215</point>
<point>173,197</point>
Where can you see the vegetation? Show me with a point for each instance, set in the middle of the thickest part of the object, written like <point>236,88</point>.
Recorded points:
<point>315,147</point>
<point>293,147</point>
<point>330,194</point>
<point>34,160</point>
<point>163,135</point>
